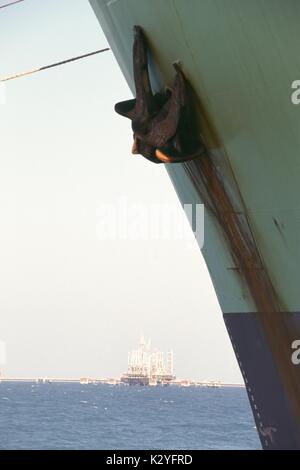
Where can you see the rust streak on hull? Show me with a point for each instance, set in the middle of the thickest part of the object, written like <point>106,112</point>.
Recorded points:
<point>208,182</point>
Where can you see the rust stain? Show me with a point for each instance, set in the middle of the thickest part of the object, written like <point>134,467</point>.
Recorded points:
<point>162,126</point>
<point>209,184</point>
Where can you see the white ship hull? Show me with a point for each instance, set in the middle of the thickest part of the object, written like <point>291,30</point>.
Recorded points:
<point>240,57</point>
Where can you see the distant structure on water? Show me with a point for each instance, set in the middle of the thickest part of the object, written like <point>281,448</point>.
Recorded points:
<point>146,367</point>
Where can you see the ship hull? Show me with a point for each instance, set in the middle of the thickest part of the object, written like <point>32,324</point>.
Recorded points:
<point>240,58</point>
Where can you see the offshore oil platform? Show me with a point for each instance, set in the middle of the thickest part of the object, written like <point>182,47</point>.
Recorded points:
<point>148,367</point>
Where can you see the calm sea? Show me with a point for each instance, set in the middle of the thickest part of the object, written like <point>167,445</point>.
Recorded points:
<point>74,416</point>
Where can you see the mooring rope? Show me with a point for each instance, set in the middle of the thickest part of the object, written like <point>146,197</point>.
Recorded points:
<point>56,64</point>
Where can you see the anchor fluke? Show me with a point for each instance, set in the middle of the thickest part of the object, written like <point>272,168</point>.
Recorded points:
<point>161,122</point>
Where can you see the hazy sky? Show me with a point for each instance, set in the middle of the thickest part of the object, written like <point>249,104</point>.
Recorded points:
<point>72,304</point>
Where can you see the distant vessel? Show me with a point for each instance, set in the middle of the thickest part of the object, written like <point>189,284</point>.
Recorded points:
<point>214,384</point>
<point>85,381</point>
<point>112,381</point>
<point>146,367</point>
<point>185,383</point>
<point>43,380</point>
<point>240,58</point>
<point>152,382</point>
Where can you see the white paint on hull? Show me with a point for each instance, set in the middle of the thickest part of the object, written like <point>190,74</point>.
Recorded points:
<point>241,58</point>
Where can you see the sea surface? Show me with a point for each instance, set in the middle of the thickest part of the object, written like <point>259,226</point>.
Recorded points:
<point>74,416</point>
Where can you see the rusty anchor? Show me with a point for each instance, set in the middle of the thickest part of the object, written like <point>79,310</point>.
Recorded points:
<point>162,123</point>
